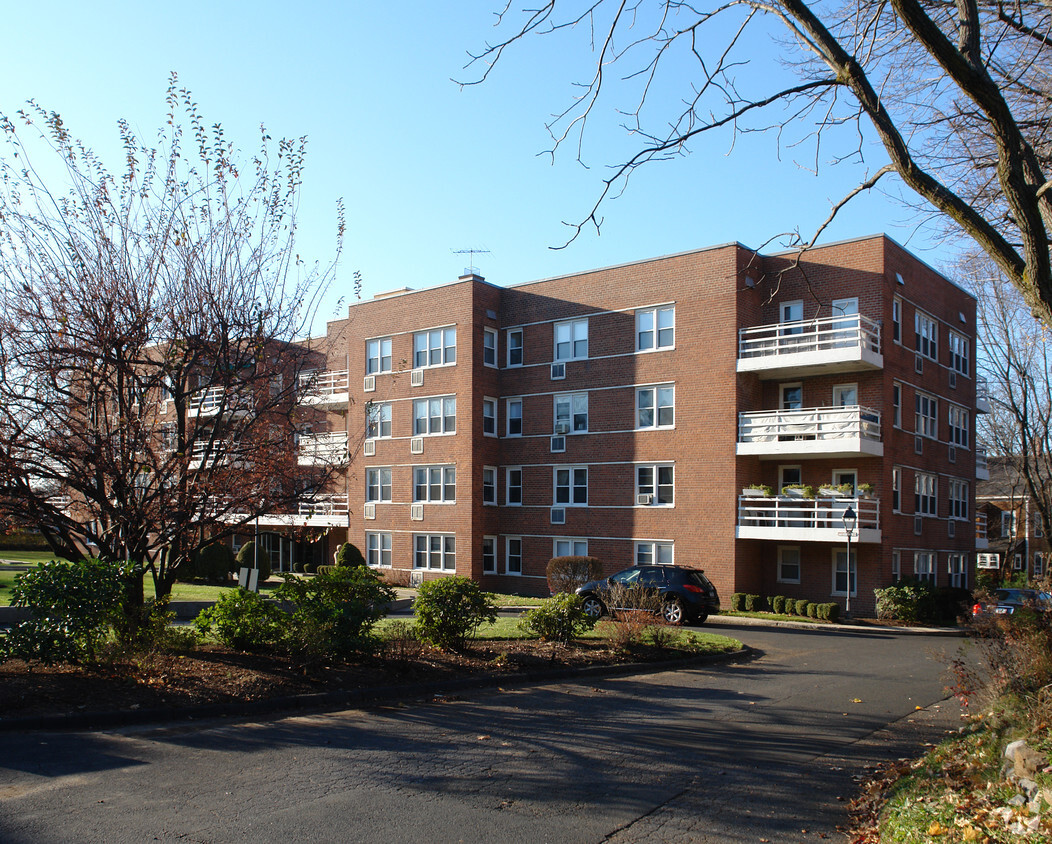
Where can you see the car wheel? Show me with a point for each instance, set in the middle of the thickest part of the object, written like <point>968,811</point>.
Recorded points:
<point>701,619</point>
<point>593,607</point>
<point>672,611</point>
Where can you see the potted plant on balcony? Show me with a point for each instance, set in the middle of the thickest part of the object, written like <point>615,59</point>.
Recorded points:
<point>757,491</point>
<point>798,491</point>
<point>865,490</point>
<point>836,490</point>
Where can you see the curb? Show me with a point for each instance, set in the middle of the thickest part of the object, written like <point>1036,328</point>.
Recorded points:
<point>357,698</point>
<point>748,621</point>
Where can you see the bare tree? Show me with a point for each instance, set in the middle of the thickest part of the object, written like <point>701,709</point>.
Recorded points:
<point>151,338</point>
<point>958,95</point>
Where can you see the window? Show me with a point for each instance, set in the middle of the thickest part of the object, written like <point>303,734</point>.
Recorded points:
<point>489,555</point>
<point>655,329</point>
<point>896,566</point>
<point>378,355</point>
<point>896,403</point>
<point>489,346</point>
<point>845,395</point>
<point>788,475</point>
<point>924,566</point>
<point>513,415</point>
<point>955,568</point>
<point>1039,565</point>
<point>926,420</point>
<point>958,426</point>
<point>570,548</point>
<point>437,415</point>
<point>788,564</point>
<point>840,573</point>
<point>896,320</point>
<point>792,396</point>
<point>489,417</point>
<point>437,552</point>
<point>434,348</point>
<point>571,339</point>
<point>377,420</point>
<point>927,335</point>
<point>653,553</point>
<point>1039,526</point>
<point>1017,562</point>
<point>958,353</point>
<point>513,556</point>
<point>1007,524</point>
<point>571,485</point>
<point>514,484</point>
<point>378,550</point>
<point>924,495</point>
<point>436,484</point>
<point>896,489</point>
<point>571,413</point>
<point>657,482</point>
<point>958,499</point>
<point>378,484</point>
<point>656,407</point>
<point>515,347</point>
<point>489,485</point>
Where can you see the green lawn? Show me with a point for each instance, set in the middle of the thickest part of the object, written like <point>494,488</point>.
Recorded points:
<point>27,556</point>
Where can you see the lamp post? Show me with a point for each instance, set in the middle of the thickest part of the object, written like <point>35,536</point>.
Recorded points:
<point>850,517</point>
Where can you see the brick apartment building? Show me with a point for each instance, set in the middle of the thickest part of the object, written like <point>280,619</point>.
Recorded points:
<point>1011,535</point>
<point>634,413</point>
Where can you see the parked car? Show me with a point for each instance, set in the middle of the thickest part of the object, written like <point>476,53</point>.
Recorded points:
<point>1008,601</point>
<point>685,594</point>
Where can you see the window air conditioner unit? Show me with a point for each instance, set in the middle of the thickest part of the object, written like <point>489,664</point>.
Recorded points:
<point>918,364</point>
<point>951,528</point>
<point>416,378</point>
<point>558,444</point>
<point>558,371</point>
<point>370,511</point>
<point>645,498</point>
<point>416,512</point>
<point>558,515</point>
<point>416,445</point>
<point>953,380</point>
<point>369,448</point>
<point>918,525</point>
<point>370,383</point>
<point>918,445</point>
<point>953,454</point>
<point>562,427</point>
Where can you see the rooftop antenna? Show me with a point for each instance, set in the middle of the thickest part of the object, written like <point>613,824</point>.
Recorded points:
<point>471,252</point>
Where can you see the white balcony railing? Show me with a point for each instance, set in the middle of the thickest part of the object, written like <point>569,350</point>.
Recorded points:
<point>324,505</point>
<point>324,387</point>
<point>826,431</point>
<point>326,449</point>
<point>982,396</point>
<point>212,400</point>
<point>807,519</point>
<point>982,469</point>
<point>981,540</point>
<point>828,342</point>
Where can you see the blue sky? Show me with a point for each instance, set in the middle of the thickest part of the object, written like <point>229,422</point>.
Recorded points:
<point>424,167</point>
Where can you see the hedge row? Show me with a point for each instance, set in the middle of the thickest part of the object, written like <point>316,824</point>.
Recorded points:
<point>781,605</point>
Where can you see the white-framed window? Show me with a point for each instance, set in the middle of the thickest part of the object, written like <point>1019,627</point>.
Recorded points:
<point>924,502</point>
<point>840,573</point>
<point>489,417</point>
<point>489,484</point>
<point>1039,527</point>
<point>655,328</point>
<point>845,395</point>
<point>377,355</point>
<point>513,417</point>
<point>570,548</point>
<point>789,475</point>
<point>924,566</point>
<point>435,484</point>
<point>513,555</point>
<point>435,415</point>
<point>896,489</point>
<point>489,346</point>
<point>437,347</point>
<point>896,566</point>
<point>788,564</point>
<point>958,498</point>
<point>378,550</point>
<point>896,320</point>
<point>959,359</point>
<point>435,551</point>
<point>515,347</point>
<point>958,418</point>
<point>656,406</point>
<point>1007,524</point>
<point>571,339</point>
<point>513,476</point>
<point>652,552</point>
<point>377,419</point>
<point>957,569</point>
<point>1039,565</point>
<point>378,484</point>
<point>571,413</point>
<point>927,335</point>
<point>571,486</point>
<point>926,421</point>
<point>489,555</point>
<point>896,403</point>
<point>1017,562</point>
<point>656,481</point>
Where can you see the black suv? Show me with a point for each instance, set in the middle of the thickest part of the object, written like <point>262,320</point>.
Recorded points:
<point>685,594</point>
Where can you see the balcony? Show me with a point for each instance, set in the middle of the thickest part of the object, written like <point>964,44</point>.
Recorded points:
<point>981,542</point>
<point>328,389</point>
<point>213,400</point>
<point>810,347</point>
<point>807,519</point>
<point>982,396</point>
<point>817,432</point>
<point>327,449</point>
<point>982,470</point>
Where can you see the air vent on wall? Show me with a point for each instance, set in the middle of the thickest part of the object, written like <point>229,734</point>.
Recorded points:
<point>558,515</point>
<point>370,511</point>
<point>558,444</point>
<point>369,448</point>
<point>416,378</point>
<point>951,528</point>
<point>953,380</point>
<point>370,383</point>
<point>416,445</point>
<point>416,512</point>
<point>953,454</point>
<point>918,445</point>
<point>558,371</point>
<point>918,525</point>
<point>918,364</point>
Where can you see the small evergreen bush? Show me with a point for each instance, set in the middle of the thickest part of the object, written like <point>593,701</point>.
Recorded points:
<point>812,610</point>
<point>832,612</point>
<point>348,556</point>
<point>799,606</point>
<point>450,609</point>
<point>215,562</point>
<point>738,601</point>
<point>559,619</point>
<point>755,603</point>
<point>243,620</point>
<point>778,604</point>
<point>253,555</point>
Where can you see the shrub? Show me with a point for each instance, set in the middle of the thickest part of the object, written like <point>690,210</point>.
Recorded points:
<point>215,562</point>
<point>755,603</point>
<point>559,619</point>
<point>450,609</point>
<point>566,574</point>
<point>812,610</point>
<point>348,556</point>
<point>738,601</point>
<point>253,555</point>
<point>400,640</point>
<point>778,604</point>
<point>243,620</point>
<point>906,601</point>
<point>832,612</point>
<point>800,606</point>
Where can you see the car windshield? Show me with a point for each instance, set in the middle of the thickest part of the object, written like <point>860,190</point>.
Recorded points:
<point>1019,596</point>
